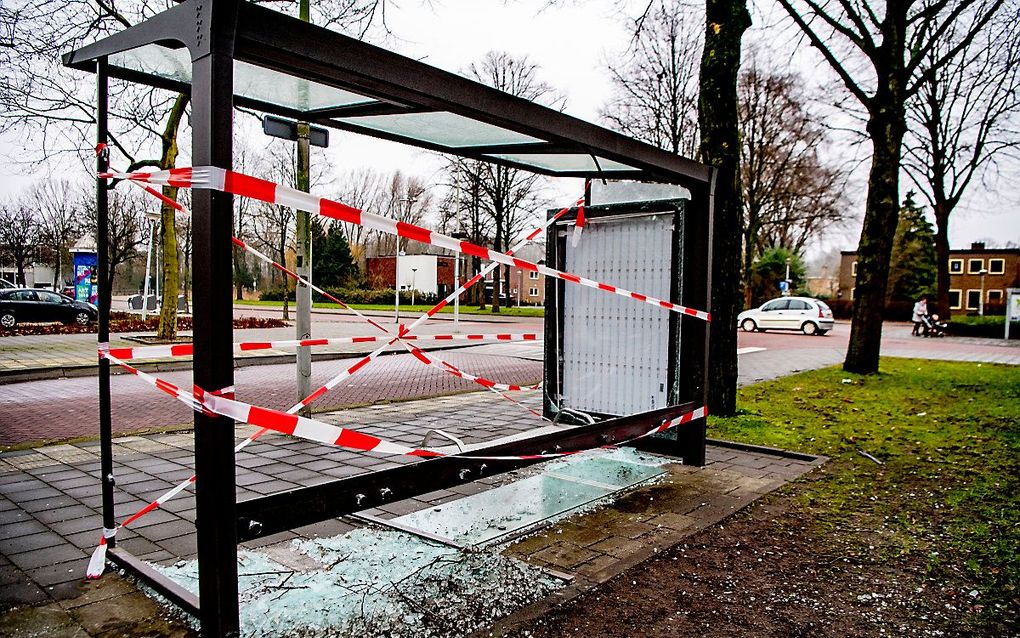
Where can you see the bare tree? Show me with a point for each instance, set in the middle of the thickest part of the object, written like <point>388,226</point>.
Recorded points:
<point>963,119</point>
<point>790,195</point>
<point>655,84</point>
<point>19,235</point>
<point>507,195</point>
<point>40,98</point>
<point>124,224</point>
<point>407,199</point>
<point>364,189</point>
<point>883,61</point>
<point>469,217</point>
<point>57,206</point>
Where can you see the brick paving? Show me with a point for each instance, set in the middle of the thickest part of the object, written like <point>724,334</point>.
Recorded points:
<point>59,409</point>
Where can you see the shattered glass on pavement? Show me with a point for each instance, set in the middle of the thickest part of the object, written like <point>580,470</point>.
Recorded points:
<point>375,583</point>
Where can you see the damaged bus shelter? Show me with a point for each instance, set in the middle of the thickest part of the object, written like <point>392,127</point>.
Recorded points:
<point>228,53</point>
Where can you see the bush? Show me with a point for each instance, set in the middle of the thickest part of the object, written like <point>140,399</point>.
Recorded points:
<point>276,294</point>
<point>841,308</point>
<point>989,327</point>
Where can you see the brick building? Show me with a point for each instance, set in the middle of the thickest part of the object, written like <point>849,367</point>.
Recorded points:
<point>965,266</point>
<point>430,274</point>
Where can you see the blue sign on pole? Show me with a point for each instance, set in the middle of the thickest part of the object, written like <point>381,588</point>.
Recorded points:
<point>783,285</point>
<point>86,282</point>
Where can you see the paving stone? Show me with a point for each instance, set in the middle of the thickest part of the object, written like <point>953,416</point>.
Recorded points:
<point>672,520</point>
<point>45,556</point>
<point>617,546</point>
<point>60,572</point>
<point>564,555</point>
<point>20,544</point>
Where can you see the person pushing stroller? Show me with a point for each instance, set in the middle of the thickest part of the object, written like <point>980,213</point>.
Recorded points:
<point>925,323</point>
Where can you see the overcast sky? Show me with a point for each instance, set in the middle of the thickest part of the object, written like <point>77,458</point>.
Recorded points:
<point>570,44</point>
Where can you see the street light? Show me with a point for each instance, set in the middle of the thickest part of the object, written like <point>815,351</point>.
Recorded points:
<point>520,286</point>
<point>981,300</point>
<point>786,293</point>
<point>461,235</point>
<point>413,270</point>
<point>152,218</point>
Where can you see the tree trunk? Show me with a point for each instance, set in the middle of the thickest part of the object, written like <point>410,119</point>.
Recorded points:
<point>942,211</point>
<point>168,237</point>
<point>881,215</point>
<point>725,23</point>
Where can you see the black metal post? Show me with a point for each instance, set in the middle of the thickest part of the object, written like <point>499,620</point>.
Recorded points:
<point>105,294</point>
<point>212,127</point>
<point>694,333</point>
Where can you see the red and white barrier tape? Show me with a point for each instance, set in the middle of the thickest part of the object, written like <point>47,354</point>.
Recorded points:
<point>309,429</point>
<point>187,349</point>
<point>252,187</point>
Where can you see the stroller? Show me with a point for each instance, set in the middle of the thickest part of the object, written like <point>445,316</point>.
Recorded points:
<point>932,327</point>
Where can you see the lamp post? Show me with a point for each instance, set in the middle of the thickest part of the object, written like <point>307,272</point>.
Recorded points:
<point>786,293</point>
<point>413,270</point>
<point>151,218</point>
<point>981,300</point>
<point>520,286</point>
<point>461,235</point>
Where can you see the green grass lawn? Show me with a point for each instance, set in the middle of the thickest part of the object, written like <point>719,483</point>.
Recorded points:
<point>467,309</point>
<point>948,493</point>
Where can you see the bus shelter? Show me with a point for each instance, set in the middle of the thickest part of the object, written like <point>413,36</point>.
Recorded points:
<point>230,53</point>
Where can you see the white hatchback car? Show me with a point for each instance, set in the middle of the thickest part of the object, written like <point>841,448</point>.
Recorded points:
<point>810,316</point>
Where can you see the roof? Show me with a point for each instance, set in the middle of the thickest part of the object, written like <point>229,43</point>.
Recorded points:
<point>964,251</point>
<point>298,70</point>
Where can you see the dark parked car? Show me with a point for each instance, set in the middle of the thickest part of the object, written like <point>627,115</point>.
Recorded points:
<point>26,304</point>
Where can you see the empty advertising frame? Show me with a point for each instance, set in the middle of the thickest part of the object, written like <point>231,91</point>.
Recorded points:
<point>230,53</point>
<point>604,357</point>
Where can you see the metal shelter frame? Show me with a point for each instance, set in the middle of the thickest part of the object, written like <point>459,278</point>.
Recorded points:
<point>216,43</point>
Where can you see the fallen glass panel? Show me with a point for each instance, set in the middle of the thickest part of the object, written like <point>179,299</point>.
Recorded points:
<point>561,488</point>
<point>442,128</point>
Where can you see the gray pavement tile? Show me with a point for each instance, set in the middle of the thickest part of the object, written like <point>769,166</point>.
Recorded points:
<point>47,555</point>
<point>22,592</point>
<point>71,512</point>
<point>65,572</point>
<point>22,528</point>
<point>272,487</point>
<point>48,503</point>
<point>169,529</point>
<point>30,542</point>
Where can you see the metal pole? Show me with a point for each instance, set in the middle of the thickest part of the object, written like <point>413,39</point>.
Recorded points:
<point>105,297</point>
<point>456,285</point>
<point>396,284</point>
<point>303,241</point>
<point>981,299</point>
<point>212,225</point>
<point>148,262</point>
<point>413,271</point>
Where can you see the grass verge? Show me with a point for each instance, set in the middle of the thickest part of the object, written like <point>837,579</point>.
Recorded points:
<point>946,498</point>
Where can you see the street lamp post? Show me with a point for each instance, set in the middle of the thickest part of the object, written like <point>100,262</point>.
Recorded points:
<point>786,293</point>
<point>981,300</point>
<point>520,286</point>
<point>413,270</point>
<point>456,281</point>
<point>151,217</point>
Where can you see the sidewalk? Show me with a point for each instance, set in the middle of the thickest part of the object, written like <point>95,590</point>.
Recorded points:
<point>49,504</point>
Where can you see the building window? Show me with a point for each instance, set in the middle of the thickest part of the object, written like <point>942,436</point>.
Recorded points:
<point>853,269</point>
<point>996,266</point>
<point>973,299</point>
<point>994,296</point>
<point>852,291</point>
<point>955,266</point>
<point>975,266</point>
<point>532,274</point>
<point>532,292</point>
<point>954,299</point>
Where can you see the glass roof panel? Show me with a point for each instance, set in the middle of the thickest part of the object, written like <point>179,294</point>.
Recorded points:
<point>442,128</point>
<point>564,162</point>
<point>251,81</point>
